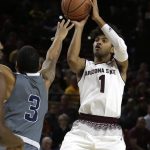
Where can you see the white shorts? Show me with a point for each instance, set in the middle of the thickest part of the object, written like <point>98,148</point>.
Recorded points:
<point>85,137</point>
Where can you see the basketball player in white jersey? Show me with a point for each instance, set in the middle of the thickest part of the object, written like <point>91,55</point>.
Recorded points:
<point>101,85</point>
<point>25,94</point>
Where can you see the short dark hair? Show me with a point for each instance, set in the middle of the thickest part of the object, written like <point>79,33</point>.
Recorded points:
<point>98,32</point>
<point>28,59</point>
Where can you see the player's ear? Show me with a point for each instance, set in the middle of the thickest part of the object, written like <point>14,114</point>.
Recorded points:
<point>112,49</point>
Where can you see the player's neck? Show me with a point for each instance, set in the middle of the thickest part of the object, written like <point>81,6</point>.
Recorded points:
<point>101,60</point>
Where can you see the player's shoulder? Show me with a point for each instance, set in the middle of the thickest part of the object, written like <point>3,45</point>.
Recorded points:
<point>89,62</point>
<point>5,69</point>
<point>112,63</point>
<point>10,79</point>
<point>2,77</point>
<point>7,73</point>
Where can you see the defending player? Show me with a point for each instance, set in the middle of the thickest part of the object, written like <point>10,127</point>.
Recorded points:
<point>28,102</point>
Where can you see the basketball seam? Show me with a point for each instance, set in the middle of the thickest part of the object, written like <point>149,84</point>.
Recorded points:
<point>68,7</point>
<point>76,15</point>
<point>63,7</point>
<point>77,7</point>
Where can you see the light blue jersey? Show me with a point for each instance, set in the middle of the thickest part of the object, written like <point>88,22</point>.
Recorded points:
<point>27,106</point>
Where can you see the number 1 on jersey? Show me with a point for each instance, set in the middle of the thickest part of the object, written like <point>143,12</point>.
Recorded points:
<point>102,79</point>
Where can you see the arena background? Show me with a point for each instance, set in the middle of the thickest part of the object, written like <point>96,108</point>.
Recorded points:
<point>34,22</point>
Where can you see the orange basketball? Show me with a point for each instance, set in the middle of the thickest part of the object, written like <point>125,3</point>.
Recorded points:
<point>76,9</point>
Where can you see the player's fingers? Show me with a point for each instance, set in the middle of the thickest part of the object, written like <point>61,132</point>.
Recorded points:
<point>67,23</point>
<point>70,27</point>
<point>58,24</point>
<point>95,3</point>
<point>62,22</point>
<point>91,3</point>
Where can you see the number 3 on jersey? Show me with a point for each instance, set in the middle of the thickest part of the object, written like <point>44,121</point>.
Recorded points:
<point>32,114</point>
<point>102,80</point>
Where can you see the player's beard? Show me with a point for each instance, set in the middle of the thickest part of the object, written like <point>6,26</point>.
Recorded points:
<point>100,54</point>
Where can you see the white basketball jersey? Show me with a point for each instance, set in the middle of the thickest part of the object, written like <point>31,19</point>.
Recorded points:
<point>101,89</point>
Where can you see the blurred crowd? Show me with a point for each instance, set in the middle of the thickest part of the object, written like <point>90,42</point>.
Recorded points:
<point>33,22</point>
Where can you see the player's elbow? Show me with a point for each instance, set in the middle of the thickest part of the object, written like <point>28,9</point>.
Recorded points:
<point>71,60</point>
<point>50,76</point>
<point>120,52</point>
<point>122,45</point>
<point>72,65</point>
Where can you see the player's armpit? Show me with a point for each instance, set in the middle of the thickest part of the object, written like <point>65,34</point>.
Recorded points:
<point>123,67</point>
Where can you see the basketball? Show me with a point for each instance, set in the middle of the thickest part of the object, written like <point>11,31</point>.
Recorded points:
<point>76,10</point>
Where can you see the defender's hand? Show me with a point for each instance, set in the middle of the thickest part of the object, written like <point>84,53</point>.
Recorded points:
<point>63,29</point>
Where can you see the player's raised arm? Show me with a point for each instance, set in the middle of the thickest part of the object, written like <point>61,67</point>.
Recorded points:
<point>49,65</point>
<point>119,46</point>
<point>75,62</point>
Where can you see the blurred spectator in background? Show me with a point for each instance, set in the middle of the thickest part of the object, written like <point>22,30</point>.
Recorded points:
<point>47,129</point>
<point>139,136</point>
<point>52,115</point>
<point>1,53</point>
<point>34,23</point>
<point>128,114</point>
<point>147,118</point>
<point>46,143</point>
<point>141,106</point>
<point>68,108</point>
<point>60,132</point>
<point>13,55</point>
<point>72,91</point>
<point>1,46</point>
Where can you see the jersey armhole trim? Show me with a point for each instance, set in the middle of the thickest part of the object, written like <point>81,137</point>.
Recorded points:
<point>119,71</point>
<point>83,71</point>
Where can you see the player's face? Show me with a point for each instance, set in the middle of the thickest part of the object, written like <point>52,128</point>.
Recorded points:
<point>102,46</point>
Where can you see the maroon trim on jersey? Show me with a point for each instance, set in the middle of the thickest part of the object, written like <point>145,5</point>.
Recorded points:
<point>80,74</point>
<point>99,122</point>
<point>98,119</point>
